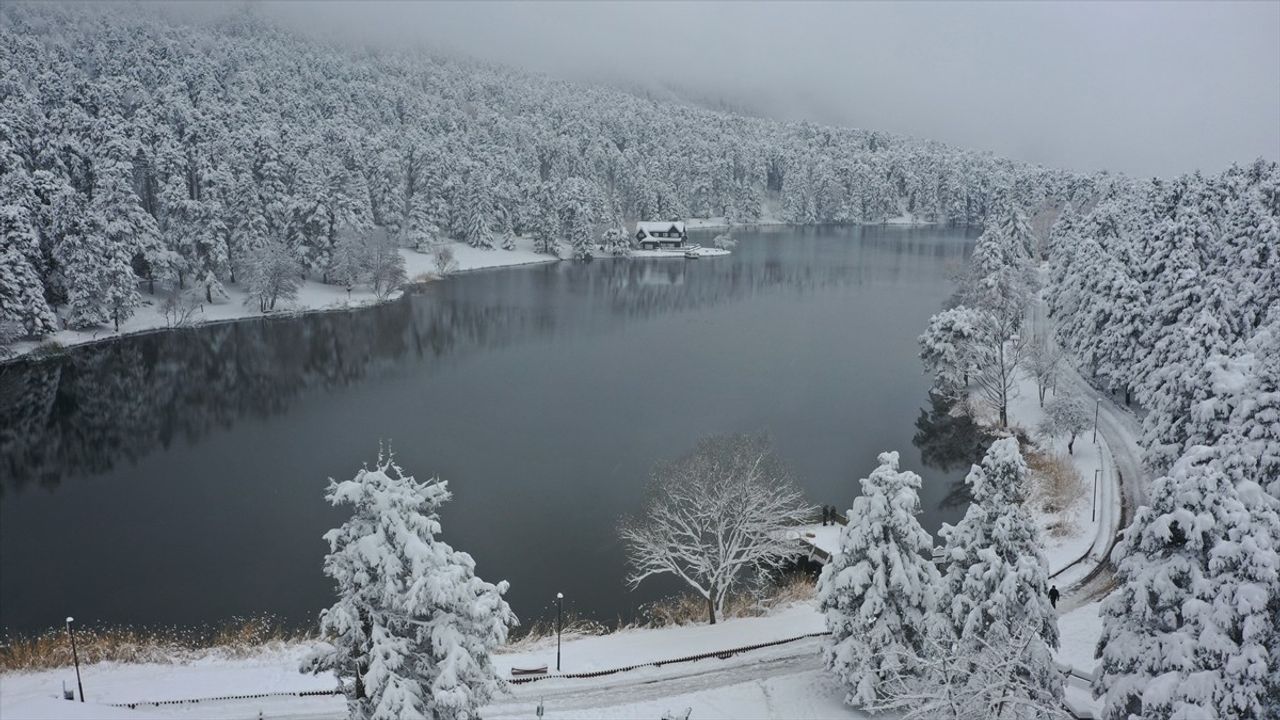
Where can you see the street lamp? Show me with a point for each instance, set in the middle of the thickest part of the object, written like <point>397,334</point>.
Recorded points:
<point>559,625</point>
<point>1094,511</point>
<point>1096,408</point>
<point>75,656</point>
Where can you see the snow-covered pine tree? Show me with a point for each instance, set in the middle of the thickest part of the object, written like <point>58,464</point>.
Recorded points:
<point>880,587</point>
<point>996,579</point>
<point>947,349</point>
<point>413,628</point>
<point>579,214</point>
<point>1190,631</point>
<point>21,292</point>
<point>350,261</point>
<point>478,213</point>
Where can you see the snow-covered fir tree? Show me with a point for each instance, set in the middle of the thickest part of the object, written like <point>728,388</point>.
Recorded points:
<point>413,629</point>
<point>22,298</point>
<point>947,348</point>
<point>996,579</point>
<point>880,587</point>
<point>1191,629</point>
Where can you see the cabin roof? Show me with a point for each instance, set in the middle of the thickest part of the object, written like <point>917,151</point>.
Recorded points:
<point>660,226</point>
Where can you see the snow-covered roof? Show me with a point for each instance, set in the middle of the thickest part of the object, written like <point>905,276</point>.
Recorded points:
<point>660,226</point>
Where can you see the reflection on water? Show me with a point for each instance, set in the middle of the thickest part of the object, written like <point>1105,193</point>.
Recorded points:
<point>177,477</point>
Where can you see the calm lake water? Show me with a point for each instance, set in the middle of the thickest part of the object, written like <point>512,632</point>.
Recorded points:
<point>177,478</point>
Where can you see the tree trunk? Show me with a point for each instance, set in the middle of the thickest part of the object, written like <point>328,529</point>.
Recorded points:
<point>711,605</point>
<point>1071,445</point>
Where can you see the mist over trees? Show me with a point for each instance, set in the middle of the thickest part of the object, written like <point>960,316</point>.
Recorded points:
<point>137,154</point>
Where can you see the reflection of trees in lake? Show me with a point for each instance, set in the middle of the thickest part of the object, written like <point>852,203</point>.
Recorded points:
<point>84,412</point>
<point>656,287</point>
<point>949,442</point>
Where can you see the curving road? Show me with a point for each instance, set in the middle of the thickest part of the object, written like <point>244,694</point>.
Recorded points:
<point>1120,429</point>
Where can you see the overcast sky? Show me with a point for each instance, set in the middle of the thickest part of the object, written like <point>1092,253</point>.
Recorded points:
<point>1145,87</point>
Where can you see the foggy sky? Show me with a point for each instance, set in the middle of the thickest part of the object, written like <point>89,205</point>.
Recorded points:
<point>1145,88</point>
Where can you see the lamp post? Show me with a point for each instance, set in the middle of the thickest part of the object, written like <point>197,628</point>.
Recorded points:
<point>1094,511</point>
<point>1096,408</point>
<point>75,656</point>
<point>559,625</point>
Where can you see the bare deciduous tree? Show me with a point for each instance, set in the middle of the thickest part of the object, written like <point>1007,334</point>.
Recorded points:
<point>386,267</point>
<point>442,256</point>
<point>997,351</point>
<point>715,516</point>
<point>1043,362</point>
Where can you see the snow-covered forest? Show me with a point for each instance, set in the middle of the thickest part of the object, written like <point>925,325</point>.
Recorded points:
<point>139,154</point>
<point>1166,294</point>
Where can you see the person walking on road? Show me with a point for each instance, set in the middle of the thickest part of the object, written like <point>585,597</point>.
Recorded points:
<point>1053,596</point>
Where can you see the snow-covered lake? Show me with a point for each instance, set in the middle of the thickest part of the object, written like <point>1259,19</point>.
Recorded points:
<point>177,478</point>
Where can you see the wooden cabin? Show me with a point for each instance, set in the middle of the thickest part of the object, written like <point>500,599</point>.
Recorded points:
<point>660,235</point>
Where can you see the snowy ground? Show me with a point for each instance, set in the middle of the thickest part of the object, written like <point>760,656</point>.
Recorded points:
<point>786,681</point>
<point>678,253</point>
<point>312,296</point>
<point>780,682</point>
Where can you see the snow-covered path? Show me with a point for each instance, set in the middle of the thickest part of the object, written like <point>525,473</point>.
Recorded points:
<point>1119,430</point>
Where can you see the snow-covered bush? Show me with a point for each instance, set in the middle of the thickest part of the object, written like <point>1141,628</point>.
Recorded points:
<point>442,259</point>
<point>725,241</point>
<point>413,629</point>
<point>179,308</point>
<point>880,587</point>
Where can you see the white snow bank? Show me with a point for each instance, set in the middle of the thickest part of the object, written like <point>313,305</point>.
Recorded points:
<point>632,647</point>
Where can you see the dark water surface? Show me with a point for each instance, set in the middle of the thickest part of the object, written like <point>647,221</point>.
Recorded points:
<point>177,478</point>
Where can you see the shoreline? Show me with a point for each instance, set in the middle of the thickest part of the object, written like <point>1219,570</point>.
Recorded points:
<point>313,297</point>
